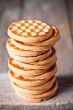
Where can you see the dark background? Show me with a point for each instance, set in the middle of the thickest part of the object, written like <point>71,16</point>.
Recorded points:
<point>55,12</point>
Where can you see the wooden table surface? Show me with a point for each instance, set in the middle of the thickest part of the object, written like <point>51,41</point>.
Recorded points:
<point>63,100</point>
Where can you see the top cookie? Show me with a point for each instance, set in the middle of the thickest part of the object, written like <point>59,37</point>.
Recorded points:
<point>29,31</point>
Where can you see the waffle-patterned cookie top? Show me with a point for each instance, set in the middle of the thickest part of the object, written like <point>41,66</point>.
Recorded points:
<point>30,28</point>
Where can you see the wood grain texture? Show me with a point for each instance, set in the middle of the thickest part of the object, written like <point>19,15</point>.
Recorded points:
<point>9,11</point>
<point>63,100</point>
<point>69,8</point>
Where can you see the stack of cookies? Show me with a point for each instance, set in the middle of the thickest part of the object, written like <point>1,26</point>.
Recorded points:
<point>32,62</point>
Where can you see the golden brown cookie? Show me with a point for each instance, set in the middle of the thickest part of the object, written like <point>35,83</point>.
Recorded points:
<point>32,91</point>
<point>32,66</point>
<point>47,75</point>
<point>25,46</point>
<point>26,82</point>
<point>30,59</point>
<point>48,84</point>
<point>40,97</point>
<point>29,31</point>
<point>25,71</point>
<point>21,52</point>
<point>50,41</point>
<point>45,61</point>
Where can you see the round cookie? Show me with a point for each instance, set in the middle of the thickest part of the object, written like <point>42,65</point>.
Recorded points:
<point>45,61</point>
<point>20,52</point>
<point>25,46</point>
<point>29,31</point>
<point>47,75</point>
<point>27,72</point>
<point>34,92</point>
<point>32,66</point>
<point>40,97</point>
<point>43,95</point>
<point>50,41</point>
<point>46,85</point>
<point>23,71</point>
<point>50,72</point>
<point>26,82</point>
<point>30,59</point>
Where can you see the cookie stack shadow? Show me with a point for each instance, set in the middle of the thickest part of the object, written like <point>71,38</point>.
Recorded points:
<point>32,62</point>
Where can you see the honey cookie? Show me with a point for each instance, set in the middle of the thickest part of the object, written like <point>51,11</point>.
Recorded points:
<point>26,82</point>
<point>19,51</point>
<point>25,46</point>
<point>46,85</point>
<point>27,72</point>
<point>40,97</point>
<point>23,71</point>
<point>51,40</point>
<point>34,92</point>
<point>26,59</point>
<point>29,31</point>
<point>32,66</point>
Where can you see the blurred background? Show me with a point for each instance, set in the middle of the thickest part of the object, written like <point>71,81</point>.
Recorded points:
<point>55,12</point>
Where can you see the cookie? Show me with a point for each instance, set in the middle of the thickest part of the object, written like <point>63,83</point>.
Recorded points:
<point>23,71</point>
<point>47,85</point>
<point>30,59</point>
<point>26,82</point>
<point>28,72</point>
<point>31,91</point>
<point>43,95</point>
<point>32,66</point>
<point>47,75</point>
<point>19,51</point>
<point>45,61</point>
<point>29,31</point>
<point>40,97</point>
<point>25,46</point>
<point>50,41</point>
